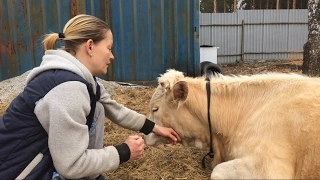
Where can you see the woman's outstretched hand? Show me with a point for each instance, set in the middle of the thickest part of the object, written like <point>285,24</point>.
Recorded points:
<point>136,146</point>
<point>171,135</point>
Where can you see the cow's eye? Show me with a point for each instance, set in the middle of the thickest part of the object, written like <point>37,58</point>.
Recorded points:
<point>154,109</point>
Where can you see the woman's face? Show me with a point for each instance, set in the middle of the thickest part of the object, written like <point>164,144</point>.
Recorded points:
<point>101,55</point>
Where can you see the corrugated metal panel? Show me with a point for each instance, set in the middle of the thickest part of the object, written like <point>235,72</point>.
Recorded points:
<point>298,35</point>
<point>253,35</point>
<point>218,35</point>
<point>23,23</point>
<point>268,34</point>
<point>150,36</point>
<point>275,36</point>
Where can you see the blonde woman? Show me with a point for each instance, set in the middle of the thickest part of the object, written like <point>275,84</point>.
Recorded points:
<point>54,129</point>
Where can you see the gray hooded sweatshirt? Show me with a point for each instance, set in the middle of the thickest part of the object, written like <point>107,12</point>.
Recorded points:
<point>62,113</point>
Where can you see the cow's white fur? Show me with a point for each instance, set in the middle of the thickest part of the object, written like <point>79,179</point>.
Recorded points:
<point>265,126</point>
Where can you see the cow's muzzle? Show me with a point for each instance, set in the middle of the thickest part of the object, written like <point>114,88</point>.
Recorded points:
<point>153,140</point>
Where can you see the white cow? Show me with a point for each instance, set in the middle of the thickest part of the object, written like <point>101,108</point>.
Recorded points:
<point>264,126</point>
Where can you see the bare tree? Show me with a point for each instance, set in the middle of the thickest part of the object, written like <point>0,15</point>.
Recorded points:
<point>311,55</point>
<point>253,4</point>
<point>214,6</point>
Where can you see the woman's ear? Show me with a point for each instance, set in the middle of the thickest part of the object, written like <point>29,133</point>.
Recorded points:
<point>89,45</point>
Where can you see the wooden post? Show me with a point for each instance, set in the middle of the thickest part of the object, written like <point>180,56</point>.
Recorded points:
<point>294,4</point>
<point>242,41</point>
<point>234,5</point>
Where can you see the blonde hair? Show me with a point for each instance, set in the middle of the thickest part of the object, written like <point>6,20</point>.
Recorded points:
<point>78,30</point>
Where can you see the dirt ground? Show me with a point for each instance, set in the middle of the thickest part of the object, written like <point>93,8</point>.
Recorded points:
<point>168,161</point>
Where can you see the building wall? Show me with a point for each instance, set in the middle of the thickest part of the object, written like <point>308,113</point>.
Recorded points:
<point>153,36</point>
<point>150,36</point>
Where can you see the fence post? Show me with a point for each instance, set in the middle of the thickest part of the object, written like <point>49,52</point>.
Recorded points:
<point>242,41</point>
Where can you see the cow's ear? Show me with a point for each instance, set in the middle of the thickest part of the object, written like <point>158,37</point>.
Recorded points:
<point>180,91</point>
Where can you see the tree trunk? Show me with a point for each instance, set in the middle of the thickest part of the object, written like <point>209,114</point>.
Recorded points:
<point>294,4</point>
<point>214,6</point>
<point>311,54</point>
<point>235,6</point>
<point>278,4</point>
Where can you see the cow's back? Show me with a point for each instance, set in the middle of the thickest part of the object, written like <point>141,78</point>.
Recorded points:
<point>293,116</point>
<point>275,118</point>
<point>305,111</point>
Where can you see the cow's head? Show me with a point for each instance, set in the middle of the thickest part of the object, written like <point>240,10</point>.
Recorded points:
<point>169,107</point>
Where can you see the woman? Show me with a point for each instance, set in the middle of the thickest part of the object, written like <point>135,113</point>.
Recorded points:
<point>47,130</point>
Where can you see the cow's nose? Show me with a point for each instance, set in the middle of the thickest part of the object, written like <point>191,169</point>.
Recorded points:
<point>150,139</point>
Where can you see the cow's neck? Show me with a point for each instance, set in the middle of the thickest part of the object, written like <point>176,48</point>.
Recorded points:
<point>197,103</point>
<point>227,105</point>
<point>233,104</point>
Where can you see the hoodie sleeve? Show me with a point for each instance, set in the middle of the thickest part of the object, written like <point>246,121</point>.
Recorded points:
<point>123,116</point>
<point>62,112</point>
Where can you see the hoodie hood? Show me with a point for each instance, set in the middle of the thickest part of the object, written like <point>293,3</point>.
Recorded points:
<point>60,59</point>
